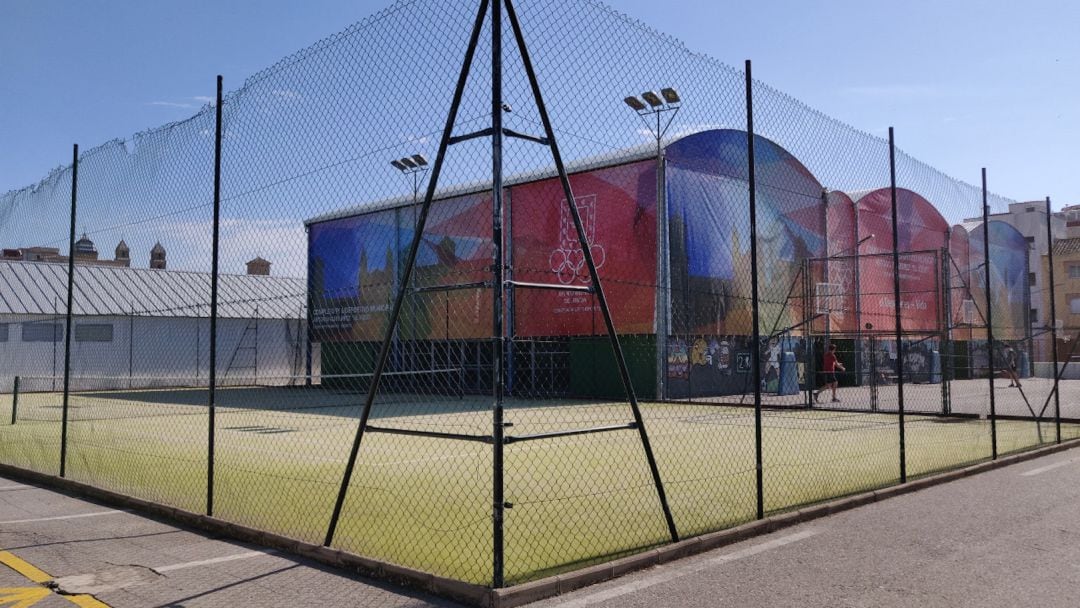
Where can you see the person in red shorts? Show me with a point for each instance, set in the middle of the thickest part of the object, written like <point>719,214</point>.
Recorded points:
<point>829,367</point>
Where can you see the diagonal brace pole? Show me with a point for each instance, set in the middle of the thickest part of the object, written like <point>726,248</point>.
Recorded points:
<point>600,298</point>
<point>414,248</point>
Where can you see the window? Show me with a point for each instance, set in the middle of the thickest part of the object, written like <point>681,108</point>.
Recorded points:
<point>3,332</point>
<point>42,332</point>
<point>1034,312</point>
<point>1030,240</point>
<point>1031,279</point>
<point>1031,209</point>
<point>1074,271</point>
<point>94,332</point>
<point>1074,303</point>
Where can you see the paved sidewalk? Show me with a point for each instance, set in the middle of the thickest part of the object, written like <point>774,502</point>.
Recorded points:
<point>1007,538</point>
<point>121,559</point>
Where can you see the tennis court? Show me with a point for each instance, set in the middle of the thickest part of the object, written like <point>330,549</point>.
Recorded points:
<point>426,502</point>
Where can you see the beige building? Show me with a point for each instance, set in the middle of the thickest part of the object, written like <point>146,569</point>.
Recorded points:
<point>1067,300</point>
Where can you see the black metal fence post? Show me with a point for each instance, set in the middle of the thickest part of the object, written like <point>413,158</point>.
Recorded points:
<point>1053,320</point>
<point>754,315</point>
<point>15,401</point>
<point>212,399</point>
<point>989,319</point>
<point>896,308</point>
<point>498,268</point>
<point>70,299</point>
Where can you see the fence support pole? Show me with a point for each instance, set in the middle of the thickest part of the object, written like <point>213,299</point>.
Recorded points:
<point>212,392</point>
<point>15,401</point>
<point>896,308</point>
<point>498,269</point>
<point>1053,320</point>
<point>70,298</point>
<point>755,321</point>
<point>989,319</point>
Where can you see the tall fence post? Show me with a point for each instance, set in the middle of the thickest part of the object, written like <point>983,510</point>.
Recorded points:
<point>498,268</point>
<point>1053,320</point>
<point>15,401</point>
<point>759,474</point>
<point>896,308</point>
<point>989,319</point>
<point>70,299</point>
<point>212,398</point>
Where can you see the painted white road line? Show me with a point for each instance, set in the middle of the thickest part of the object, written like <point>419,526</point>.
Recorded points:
<point>59,517</point>
<point>697,566</point>
<point>6,488</point>
<point>1049,467</point>
<point>214,560</point>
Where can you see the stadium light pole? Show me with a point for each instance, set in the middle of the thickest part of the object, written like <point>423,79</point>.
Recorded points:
<point>414,166</point>
<point>651,108</point>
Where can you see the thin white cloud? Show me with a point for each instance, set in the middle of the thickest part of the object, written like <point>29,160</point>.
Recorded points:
<point>203,99</point>
<point>171,104</point>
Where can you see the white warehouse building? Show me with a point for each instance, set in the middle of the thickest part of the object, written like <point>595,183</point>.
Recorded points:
<point>138,328</point>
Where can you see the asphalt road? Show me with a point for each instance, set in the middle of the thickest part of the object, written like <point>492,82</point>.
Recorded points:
<point>1007,538</point>
<point>1010,537</point>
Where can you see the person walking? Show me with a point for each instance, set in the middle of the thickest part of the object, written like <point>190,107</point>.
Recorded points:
<point>829,367</point>
<point>1011,366</point>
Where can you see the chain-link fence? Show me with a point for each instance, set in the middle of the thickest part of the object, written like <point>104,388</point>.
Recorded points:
<point>447,290</point>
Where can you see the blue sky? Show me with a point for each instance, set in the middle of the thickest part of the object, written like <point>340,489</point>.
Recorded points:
<point>966,84</point>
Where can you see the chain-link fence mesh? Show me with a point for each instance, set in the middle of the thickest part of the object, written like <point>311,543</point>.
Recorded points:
<point>412,364</point>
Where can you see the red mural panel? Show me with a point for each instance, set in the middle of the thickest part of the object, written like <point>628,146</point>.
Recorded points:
<point>618,210</point>
<point>922,235</point>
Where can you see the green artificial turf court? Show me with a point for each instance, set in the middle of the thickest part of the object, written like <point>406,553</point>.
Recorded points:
<point>425,502</point>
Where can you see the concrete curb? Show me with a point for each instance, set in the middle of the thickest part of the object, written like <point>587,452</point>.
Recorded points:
<point>509,597</point>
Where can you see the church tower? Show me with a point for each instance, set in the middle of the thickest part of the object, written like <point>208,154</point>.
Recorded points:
<point>123,254</point>
<point>157,257</point>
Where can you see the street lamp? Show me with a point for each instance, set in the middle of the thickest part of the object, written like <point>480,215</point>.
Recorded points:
<point>414,165</point>
<point>648,106</point>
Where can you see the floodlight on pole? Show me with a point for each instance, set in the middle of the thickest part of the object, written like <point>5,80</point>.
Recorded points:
<point>649,106</point>
<point>652,99</point>
<point>634,103</point>
<point>397,165</point>
<point>420,160</point>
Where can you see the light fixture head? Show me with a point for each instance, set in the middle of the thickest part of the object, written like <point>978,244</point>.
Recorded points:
<point>408,162</point>
<point>670,95</point>
<point>397,165</point>
<point>420,160</point>
<point>634,103</point>
<point>652,99</point>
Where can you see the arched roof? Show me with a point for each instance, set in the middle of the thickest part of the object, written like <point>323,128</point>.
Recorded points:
<point>921,226</point>
<point>724,152</point>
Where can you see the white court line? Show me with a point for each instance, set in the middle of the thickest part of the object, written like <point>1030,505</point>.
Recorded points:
<point>214,560</point>
<point>668,575</point>
<point>1049,467</point>
<point>5,488</point>
<point>27,521</point>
